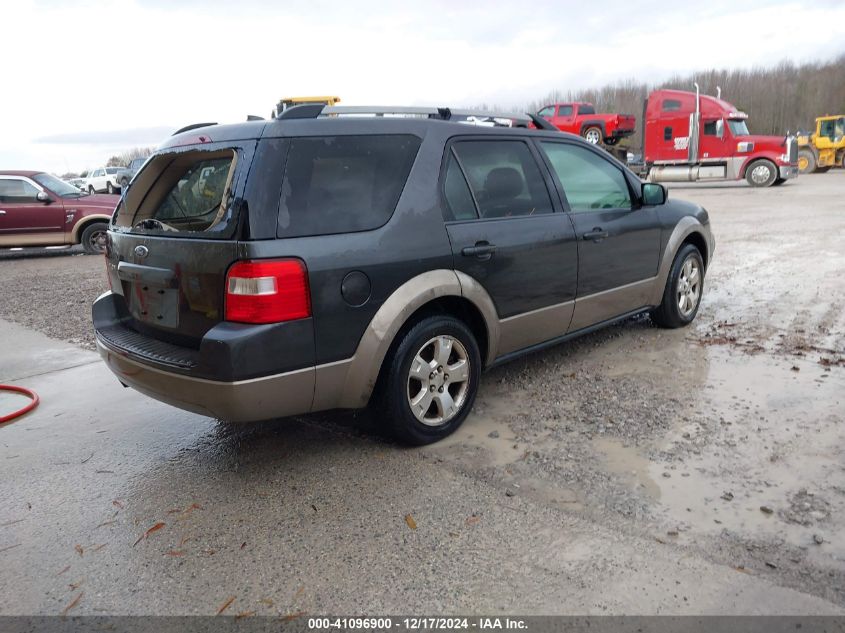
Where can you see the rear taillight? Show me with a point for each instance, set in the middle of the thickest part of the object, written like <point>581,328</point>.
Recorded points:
<point>267,291</point>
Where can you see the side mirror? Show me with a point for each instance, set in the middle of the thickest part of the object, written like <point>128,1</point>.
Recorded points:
<point>42,196</point>
<point>654,193</point>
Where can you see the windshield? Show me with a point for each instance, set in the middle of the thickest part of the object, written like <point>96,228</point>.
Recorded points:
<point>738,127</point>
<point>59,187</point>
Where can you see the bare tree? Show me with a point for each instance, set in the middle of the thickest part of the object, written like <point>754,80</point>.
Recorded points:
<point>124,158</point>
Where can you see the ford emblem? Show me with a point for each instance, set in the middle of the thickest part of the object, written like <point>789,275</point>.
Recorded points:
<point>141,251</point>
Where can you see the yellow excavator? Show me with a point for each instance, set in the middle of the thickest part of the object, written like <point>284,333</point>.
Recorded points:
<point>824,148</point>
<point>287,102</point>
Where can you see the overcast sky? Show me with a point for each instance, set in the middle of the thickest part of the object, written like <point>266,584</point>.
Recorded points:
<point>85,80</point>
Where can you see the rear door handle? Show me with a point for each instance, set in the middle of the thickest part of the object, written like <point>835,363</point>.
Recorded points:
<point>597,234</point>
<point>481,250</point>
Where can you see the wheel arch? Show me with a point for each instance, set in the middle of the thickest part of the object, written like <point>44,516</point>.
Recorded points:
<point>85,222</point>
<point>687,231</point>
<point>588,124</point>
<point>753,159</point>
<point>350,383</point>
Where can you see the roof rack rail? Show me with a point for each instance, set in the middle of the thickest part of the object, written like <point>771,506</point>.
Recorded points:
<point>469,116</point>
<point>192,127</point>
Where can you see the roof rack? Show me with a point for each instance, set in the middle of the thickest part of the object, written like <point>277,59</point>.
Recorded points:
<point>472,117</point>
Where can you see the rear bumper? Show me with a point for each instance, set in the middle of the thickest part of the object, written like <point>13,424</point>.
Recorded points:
<point>788,171</point>
<point>280,395</point>
<point>621,133</point>
<point>238,372</point>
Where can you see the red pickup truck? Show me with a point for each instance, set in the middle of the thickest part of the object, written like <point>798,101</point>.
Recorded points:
<point>581,118</point>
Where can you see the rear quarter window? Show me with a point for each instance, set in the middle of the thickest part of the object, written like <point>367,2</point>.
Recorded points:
<point>342,184</point>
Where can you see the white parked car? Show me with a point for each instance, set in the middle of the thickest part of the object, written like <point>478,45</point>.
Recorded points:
<point>103,179</point>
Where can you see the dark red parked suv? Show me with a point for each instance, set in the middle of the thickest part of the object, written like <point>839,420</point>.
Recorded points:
<point>37,209</point>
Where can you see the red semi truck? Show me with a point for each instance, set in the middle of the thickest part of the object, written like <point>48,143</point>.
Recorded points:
<point>688,136</point>
<point>581,118</point>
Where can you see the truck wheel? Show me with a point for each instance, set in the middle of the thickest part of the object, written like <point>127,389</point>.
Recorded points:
<point>124,183</point>
<point>94,238</point>
<point>109,187</point>
<point>91,190</point>
<point>683,291</point>
<point>431,381</point>
<point>806,162</point>
<point>761,173</point>
<point>592,135</point>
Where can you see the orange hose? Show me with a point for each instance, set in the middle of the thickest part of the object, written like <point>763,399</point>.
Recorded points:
<point>22,390</point>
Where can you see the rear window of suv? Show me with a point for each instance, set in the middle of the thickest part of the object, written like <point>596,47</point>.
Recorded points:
<point>341,184</point>
<point>185,192</point>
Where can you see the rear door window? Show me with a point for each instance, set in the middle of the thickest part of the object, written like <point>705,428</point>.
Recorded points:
<point>342,184</point>
<point>504,177</point>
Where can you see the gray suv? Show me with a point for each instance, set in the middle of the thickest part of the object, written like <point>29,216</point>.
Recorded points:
<point>323,261</point>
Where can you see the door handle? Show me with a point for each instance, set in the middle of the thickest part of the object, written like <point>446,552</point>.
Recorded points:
<point>597,234</point>
<point>481,250</point>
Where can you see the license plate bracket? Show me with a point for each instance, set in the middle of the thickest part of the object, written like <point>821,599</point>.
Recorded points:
<point>155,305</point>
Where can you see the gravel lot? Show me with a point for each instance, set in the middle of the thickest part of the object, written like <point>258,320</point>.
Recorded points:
<point>720,444</point>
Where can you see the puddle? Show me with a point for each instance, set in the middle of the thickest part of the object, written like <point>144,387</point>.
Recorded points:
<point>627,464</point>
<point>486,433</point>
<point>764,463</point>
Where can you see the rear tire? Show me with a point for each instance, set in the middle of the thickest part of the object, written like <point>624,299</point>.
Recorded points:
<point>431,381</point>
<point>761,173</point>
<point>592,135</point>
<point>684,287</point>
<point>806,161</point>
<point>94,238</point>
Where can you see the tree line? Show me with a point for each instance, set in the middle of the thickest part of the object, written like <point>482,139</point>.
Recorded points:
<point>118,160</point>
<point>778,99</point>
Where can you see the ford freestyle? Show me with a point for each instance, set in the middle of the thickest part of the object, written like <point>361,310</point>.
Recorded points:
<point>321,261</point>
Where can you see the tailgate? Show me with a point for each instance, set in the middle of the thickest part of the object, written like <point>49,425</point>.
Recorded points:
<point>175,234</point>
<point>173,287</point>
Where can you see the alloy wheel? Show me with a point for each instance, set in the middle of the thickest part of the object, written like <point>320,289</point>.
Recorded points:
<point>438,380</point>
<point>689,287</point>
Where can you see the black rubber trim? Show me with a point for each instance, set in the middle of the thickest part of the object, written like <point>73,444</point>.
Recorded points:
<point>506,358</point>
<point>144,347</point>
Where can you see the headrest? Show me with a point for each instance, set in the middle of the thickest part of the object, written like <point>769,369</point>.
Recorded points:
<point>503,182</point>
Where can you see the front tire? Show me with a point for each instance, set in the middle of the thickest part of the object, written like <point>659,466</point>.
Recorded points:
<point>109,188</point>
<point>94,238</point>
<point>91,190</point>
<point>806,161</point>
<point>761,173</point>
<point>683,291</point>
<point>431,381</point>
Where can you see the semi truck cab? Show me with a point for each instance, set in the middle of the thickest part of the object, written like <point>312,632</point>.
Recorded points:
<point>688,136</point>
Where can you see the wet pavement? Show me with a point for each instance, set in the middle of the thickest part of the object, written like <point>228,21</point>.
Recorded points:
<point>636,470</point>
